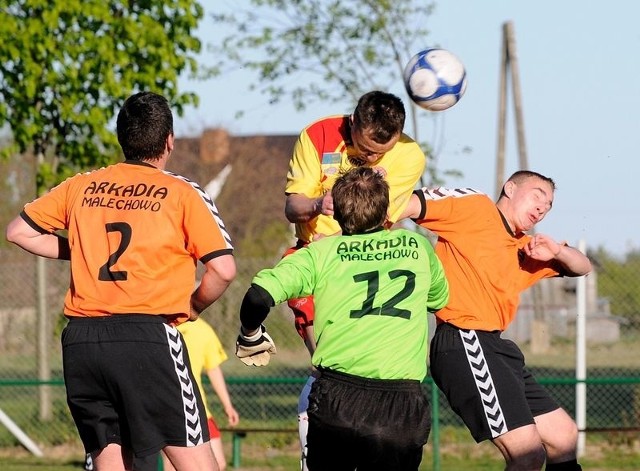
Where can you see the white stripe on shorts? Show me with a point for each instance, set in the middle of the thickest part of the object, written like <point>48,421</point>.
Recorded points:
<point>193,427</point>
<point>484,383</point>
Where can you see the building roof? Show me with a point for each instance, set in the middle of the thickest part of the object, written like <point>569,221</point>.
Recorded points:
<point>251,201</point>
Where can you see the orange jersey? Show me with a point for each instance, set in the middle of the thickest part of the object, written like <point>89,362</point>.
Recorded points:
<point>136,233</point>
<point>483,260</point>
<point>322,152</point>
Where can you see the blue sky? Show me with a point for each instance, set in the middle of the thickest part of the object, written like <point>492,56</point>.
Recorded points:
<point>579,65</point>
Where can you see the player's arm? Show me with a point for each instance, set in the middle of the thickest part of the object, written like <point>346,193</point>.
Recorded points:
<point>253,345</point>
<point>301,208</point>
<point>255,307</point>
<point>207,240</point>
<point>439,289</point>
<point>292,277</point>
<point>305,196</point>
<point>416,208</point>
<point>309,339</point>
<point>573,262</point>
<point>220,387</point>
<point>403,177</point>
<point>26,234</point>
<point>219,273</point>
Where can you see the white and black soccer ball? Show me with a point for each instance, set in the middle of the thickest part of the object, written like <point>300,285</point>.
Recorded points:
<point>435,79</point>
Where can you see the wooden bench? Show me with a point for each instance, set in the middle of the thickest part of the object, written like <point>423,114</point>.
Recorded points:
<point>238,433</point>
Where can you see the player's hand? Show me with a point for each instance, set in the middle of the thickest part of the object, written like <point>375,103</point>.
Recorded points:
<point>542,247</point>
<point>325,204</point>
<point>193,314</point>
<point>233,417</point>
<point>380,170</point>
<point>255,350</point>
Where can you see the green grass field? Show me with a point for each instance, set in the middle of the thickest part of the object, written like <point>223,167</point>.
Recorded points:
<point>279,452</point>
<point>610,405</point>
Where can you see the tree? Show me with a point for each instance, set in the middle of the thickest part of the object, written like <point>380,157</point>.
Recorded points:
<point>324,50</point>
<point>619,281</point>
<point>66,66</point>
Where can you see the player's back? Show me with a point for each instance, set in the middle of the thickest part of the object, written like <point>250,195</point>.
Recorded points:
<point>371,293</point>
<point>371,302</point>
<point>133,249</point>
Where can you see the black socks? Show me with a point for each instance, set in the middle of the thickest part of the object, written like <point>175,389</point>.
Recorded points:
<point>571,465</point>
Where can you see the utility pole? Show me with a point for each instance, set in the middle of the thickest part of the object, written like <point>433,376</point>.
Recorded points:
<point>44,332</point>
<point>540,335</point>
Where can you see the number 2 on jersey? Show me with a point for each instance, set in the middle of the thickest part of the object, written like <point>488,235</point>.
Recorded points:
<point>105,273</point>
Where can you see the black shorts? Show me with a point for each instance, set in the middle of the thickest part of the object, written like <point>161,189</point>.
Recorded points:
<point>129,381</point>
<point>485,381</point>
<point>366,424</point>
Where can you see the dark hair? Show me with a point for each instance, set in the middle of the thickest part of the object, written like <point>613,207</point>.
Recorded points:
<point>522,175</point>
<point>381,115</point>
<point>143,126</point>
<point>360,200</point>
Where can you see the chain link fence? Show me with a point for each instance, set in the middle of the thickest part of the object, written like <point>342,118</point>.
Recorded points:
<point>32,398</point>
<point>33,410</point>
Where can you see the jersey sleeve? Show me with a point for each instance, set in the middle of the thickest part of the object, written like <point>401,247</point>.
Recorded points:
<point>294,276</point>
<point>305,172</point>
<point>49,211</point>
<point>439,289</point>
<point>403,178</point>
<point>206,234</point>
<point>444,209</point>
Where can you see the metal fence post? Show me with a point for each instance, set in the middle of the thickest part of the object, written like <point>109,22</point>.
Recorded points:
<point>236,441</point>
<point>581,357</point>
<point>435,427</point>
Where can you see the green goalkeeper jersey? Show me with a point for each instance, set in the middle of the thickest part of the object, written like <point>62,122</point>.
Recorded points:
<point>371,293</point>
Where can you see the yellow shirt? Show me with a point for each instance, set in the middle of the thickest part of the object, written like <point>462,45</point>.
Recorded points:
<point>322,152</point>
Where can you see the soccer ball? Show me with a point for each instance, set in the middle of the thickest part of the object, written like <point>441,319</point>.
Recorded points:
<point>435,79</point>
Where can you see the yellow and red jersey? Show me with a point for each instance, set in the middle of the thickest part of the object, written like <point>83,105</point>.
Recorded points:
<point>322,151</point>
<point>483,259</point>
<point>136,233</point>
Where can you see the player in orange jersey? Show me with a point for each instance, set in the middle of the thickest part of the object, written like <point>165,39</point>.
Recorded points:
<point>489,260</point>
<point>372,136</point>
<point>135,235</point>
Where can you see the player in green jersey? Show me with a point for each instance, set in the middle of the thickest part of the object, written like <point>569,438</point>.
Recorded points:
<point>373,288</point>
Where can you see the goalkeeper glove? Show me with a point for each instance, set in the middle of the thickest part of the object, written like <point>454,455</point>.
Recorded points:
<point>256,349</point>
